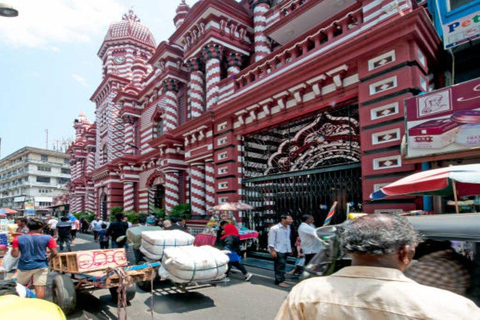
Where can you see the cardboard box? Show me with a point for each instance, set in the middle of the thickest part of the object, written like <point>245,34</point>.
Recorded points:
<point>433,134</point>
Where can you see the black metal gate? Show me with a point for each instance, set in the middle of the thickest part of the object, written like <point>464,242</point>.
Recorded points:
<point>302,167</point>
<point>312,192</point>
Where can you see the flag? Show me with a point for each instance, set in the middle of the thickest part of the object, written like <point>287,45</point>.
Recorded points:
<point>330,214</point>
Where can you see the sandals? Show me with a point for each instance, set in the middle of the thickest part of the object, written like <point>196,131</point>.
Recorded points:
<point>283,285</point>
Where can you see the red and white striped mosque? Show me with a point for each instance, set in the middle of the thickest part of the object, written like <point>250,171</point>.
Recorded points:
<point>286,105</point>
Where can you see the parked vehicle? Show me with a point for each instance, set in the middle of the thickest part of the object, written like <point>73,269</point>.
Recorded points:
<point>463,228</point>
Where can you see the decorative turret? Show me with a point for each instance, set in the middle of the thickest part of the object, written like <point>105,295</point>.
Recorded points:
<point>81,124</point>
<point>182,11</point>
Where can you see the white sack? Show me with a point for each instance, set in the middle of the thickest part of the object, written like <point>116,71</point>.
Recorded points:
<point>154,243</point>
<point>190,264</point>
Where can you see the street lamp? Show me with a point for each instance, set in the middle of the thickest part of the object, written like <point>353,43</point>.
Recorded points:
<point>8,11</point>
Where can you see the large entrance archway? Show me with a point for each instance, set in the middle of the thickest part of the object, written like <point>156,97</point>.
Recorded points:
<point>303,166</point>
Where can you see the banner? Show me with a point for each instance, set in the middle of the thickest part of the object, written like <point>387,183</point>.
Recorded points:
<point>462,30</point>
<point>444,121</point>
<point>29,208</point>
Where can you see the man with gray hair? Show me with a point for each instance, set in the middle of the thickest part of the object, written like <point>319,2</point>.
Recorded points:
<point>374,287</point>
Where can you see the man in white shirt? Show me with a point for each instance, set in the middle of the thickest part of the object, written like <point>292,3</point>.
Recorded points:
<point>52,226</point>
<point>280,246</point>
<point>309,241</point>
<point>96,226</point>
<point>374,287</point>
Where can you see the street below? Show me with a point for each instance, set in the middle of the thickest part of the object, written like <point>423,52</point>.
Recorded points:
<point>235,299</point>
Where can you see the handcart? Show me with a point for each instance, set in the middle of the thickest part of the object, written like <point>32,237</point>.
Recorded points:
<point>90,270</point>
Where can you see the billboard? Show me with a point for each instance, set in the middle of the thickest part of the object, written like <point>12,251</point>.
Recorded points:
<point>444,121</point>
<point>461,30</point>
<point>29,208</point>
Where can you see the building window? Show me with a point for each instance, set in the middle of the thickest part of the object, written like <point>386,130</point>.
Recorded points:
<point>44,169</point>
<point>104,154</point>
<point>44,204</point>
<point>66,171</point>
<point>63,180</point>
<point>43,157</point>
<point>158,128</point>
<point>66,161</point>
<point>455,4</point>
<point>43,179</point>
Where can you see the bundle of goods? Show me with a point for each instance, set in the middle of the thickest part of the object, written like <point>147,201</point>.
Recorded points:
<point>192,264</point>
<point>134,235</point>
<point>3,238</point>
<point>154,243</point>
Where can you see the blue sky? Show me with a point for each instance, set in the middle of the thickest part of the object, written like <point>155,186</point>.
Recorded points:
<point>49,67</point>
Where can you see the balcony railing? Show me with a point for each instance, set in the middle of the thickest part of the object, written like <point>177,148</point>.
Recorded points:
<point>291,53</point>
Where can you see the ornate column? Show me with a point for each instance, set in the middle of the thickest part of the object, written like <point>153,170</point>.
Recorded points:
<point>196,91</point>
<point>129,135</point>
<point>212,54</point>
<point>128,196</point>
<point>234,63</point>
<point>209,183</point>
<point>172,190</point>
<point>171,108</point>
<point>197,180</point>
<point>261,42</point>
<point>90,201</point>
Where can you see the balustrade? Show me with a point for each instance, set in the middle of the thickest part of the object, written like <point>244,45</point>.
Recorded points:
<point>288,54</point>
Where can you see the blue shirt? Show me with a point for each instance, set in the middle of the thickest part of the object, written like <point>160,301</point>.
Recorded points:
<point>33,249</point>
<point>103,235</point>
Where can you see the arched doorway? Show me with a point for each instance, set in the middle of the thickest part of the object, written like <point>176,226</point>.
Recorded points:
<point>159,196</point>
<point>104,207</point>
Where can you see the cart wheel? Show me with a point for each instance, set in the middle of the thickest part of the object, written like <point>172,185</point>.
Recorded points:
<point>144,285</point>
<point>64,294</point>
<point>131,291</point>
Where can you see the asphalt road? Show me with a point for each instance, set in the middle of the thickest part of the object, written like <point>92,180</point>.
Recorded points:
<point>236,299</point>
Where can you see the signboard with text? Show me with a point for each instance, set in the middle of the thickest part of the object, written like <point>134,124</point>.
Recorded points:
<point>444,121</point>
<point>462,30</point>
<point>29,208</point>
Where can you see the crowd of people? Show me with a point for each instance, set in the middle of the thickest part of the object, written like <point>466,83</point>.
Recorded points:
<point>380,283</point>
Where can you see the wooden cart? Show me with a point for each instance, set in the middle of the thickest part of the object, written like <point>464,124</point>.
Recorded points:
<point>89,270</point>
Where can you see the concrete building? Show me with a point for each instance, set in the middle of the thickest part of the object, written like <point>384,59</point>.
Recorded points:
<point>288,105</point>
<point>32,176</point>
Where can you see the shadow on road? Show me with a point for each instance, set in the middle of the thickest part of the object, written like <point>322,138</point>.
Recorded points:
<point>168,299</point>
<point>91,307</point>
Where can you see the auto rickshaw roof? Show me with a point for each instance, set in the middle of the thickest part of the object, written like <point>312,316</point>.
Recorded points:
<point>460,227</point>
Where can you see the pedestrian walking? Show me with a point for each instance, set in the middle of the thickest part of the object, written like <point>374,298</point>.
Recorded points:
<point>280,246</point>
<point>52,226</point>
<point>381,247</point>
<point>309,241</point>
<point>84,225</point>
<point>64,231</point>
<point>300,261</point>
<point>75,228</point>
<point>231,242</point>
<point>33,261</point>
<point>118,231</point>
<point>96,226</point>
<point>22,226</point>
<point>103,237</point>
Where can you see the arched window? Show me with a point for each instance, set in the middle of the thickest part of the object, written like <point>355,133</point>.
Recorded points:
<point>104,154</point>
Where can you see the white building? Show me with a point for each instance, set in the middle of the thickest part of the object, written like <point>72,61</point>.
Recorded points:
<point>32,175</point>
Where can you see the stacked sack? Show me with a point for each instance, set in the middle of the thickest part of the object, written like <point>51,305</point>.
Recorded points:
<point>154,243</point>
<point>192,264</point>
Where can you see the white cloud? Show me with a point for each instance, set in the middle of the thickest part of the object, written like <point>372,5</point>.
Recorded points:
<point>80,79</point>
<point>47,23</point>
<point>34,74</point>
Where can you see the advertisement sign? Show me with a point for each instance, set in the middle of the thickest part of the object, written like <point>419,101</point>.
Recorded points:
<point>29,208</point>
<point>444,121</point>
<point>462,30</point>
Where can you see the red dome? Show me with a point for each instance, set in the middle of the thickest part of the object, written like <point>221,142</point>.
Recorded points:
<point>129,28</point>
